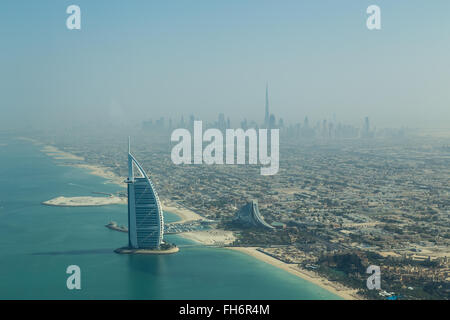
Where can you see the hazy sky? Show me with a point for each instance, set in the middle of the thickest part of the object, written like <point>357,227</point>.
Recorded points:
<point>146,59</point>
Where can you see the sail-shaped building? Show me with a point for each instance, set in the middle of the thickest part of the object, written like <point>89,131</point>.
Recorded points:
<point>249,216</point>
<point>145,215</point>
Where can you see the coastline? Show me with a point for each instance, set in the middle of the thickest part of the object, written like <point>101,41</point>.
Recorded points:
<point>185,214</point>
<point>335,288</point>
<point>102,172</point>
<point>208,237</point>
<point>96,170</point>
<point>57,154</point>
<point>212,237</point>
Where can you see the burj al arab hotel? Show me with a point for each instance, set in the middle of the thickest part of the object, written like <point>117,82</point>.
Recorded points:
<point>145,215</point>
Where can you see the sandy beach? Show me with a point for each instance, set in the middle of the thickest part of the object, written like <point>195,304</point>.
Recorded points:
<point>185,214</point>
<point>102,172</point>
<point>95,170</point>
<point>211,237</point>
<point>337,289</point>
<point>57,154</point>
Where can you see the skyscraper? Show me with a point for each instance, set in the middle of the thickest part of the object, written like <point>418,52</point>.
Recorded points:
<point>145,216</point>
<point>366,128</point>
<point>249,216</point>
<point>266,118</point>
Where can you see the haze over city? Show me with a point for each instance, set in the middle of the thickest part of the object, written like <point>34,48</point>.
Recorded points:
<point>160,59</point>
<point>238,149</point>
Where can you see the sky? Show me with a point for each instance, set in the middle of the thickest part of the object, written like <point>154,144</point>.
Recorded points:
<point>138,59</point>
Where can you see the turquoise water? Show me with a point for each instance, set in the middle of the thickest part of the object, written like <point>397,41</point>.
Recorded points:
<point>38,242</point>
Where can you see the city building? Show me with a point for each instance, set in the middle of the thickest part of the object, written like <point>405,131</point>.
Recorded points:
<point>266,115</point>
<point>249,216</point>
<point>145,216</point>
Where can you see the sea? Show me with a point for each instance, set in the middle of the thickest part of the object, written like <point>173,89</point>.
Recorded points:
<point>38,243</point>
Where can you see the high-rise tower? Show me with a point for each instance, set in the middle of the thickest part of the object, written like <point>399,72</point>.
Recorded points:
<point>249,216</point>
<point>267,118</point>
<point>145,216</point>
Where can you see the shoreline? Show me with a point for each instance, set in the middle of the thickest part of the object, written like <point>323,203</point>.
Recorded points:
<point>335,288</point>
<point>209,237</point>
<point>96,170</point>
<point>102,172</point>
<point>185,214</point>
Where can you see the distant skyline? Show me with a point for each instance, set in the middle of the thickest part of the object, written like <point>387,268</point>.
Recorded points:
<point>152,59</point>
